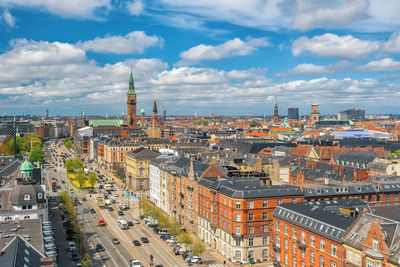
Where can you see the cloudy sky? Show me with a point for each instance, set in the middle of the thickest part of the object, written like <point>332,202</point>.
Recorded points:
<point>228,57</point>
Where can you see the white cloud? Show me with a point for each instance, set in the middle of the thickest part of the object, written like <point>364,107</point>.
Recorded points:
<point>59,76</point>
<point>310,14</point>
<point>69,8</point>
<point>332,45</point>
<point>135,7</point>
<point>7,18</point>
<point>231,48</point>
<point>393,44</point>
<point>133,42</point>
<point>312,69</point>
<point>386,64</point>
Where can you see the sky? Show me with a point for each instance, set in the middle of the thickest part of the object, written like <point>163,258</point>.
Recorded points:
<point>225,57</point>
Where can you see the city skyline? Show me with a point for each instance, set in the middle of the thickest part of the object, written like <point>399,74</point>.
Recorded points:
<point>226,58</point>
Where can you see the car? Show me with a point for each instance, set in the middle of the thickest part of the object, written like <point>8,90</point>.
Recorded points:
<point>194,259</point>
<point>110,208</point>
<point>84,199</point>
<point>120,213</point>
<point>159,265</point>
<point>135,263</point>
<point>75,256</point>
<point>79,264</point>
<point>72,246</point>
<point>63,182</point>
<point>130,223</point>
<point>136,242</point>
<point>152,225</point>
<point>144,240</point>
<point>92,210</point>
<point>170,240</point>
<point>91,191</point>
<point>136,221</point>
<point>101,222</point>
<point>116,195</point>
<point>115,240</point>
<point>99,247</point>
<point>165,237</point>
<point>85,210</point>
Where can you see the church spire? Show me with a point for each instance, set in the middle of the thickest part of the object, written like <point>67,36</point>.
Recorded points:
<point>155,107</point>
<point>131,90</point>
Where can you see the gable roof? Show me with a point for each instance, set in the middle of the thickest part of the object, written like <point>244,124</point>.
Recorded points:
<point>213,171</point>
<point>20,253</point>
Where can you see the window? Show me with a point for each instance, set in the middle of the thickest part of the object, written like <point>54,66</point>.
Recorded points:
<point>278,225</point>
<point>321,261</point>
<point>370,263</point>
<point>294,248</point>
<point>265,216</point>
<point>250,242</point>
<point>303,264</point>
<point>238,254</point>
<point>286,258</point>
<point>237,217</point>
<point>333,250</point>
<point>265,240</point>
<point>278,241</point>
<point>238,230</point>
<point>265,253</point>
<point>238,242</point>
<point>303,237</point>
<point>230,203</point>
<point>303,254</point>
<point>312,241</point>
<point>251,230</point>
<point>229,215</point>
<point>26,217</point>
<point>265,228</point>
<point>333,264</point>
<point>396,197</point>
<point>294,262</point>
<point>279,201</point>
<point>286,244</point>
<point>237,205</point>
<point>251,205</point>
<point>377,264</point>
<point>265,204</point>
<point>357,258</point>
<point>294,233</point>
<point>251,216</point>
<point>312,257</point>
<point>375,245</point>
<point>322,244</point>
<point>294,200</point>
<point>286,228</point>
<point>350,255</point>
<point>387,197</point>
<point>251,254</point>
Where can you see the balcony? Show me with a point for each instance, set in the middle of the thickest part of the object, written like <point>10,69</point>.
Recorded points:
<point>237,235</point>
<point>276,263</point>
<point>276,247</point>
<point>301,244</point>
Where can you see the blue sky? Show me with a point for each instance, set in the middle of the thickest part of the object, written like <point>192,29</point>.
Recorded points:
<point>228,57</point>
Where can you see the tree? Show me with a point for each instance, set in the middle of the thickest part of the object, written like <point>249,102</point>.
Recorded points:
<point>77,163</point>
<point>93,178</point>
<point>198,247</point>
<point>69,165</point>
<point>80,177</point>
<point>68,143</point>
<point>20,145</point>
<point>33,140</point>
<point>36,154</point>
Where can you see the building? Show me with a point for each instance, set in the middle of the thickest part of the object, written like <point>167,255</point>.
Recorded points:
<point>275,119</point>
<point>351,114</point>
<point>131,115</point>
<point>314,113</point>
<point>311,234</point>
<point>137,168</point>
<point>373,239</point>
<point>293,114</point>
<point>235,215</point>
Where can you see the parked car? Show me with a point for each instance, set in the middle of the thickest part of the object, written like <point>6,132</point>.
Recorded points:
<point>75,256</point>
<point>130,223</point>
<point>136,242</point>
<point>92,211</point>
<point>194,259</point>
<point>165,237</point>
<point>85,210</point>
<point>71,246</point>
<point>135,263</point>
<point>110,208</point>
<point>99,247</point>
<point>136,221</point>
<point>120,213</point>
<point>144,240</point>
<point>170,240</point>
<point>115,240</point>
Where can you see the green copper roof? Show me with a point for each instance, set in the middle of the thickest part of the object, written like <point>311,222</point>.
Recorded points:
<point>131,90</point>
<point>99,123</point>
<point>26,165</point>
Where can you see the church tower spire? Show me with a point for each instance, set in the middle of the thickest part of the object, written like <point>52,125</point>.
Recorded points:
<point>155,114</point>
<point>276,116</point>
<point>131,103</point>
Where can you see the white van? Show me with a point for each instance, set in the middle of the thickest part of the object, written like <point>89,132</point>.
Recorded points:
<point>48,233</point>
<point>123,224</point>
<point>48,239</point>
<point>50,247</point>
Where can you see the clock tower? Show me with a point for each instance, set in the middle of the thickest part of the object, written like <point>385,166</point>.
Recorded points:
<point>131,104</point>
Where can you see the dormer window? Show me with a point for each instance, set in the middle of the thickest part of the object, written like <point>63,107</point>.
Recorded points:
<point>27,197</point>
<point>375,244</point>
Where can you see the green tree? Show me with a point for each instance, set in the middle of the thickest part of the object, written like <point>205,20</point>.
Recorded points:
<point>93,178</point>
<point>33,140</point>
<point>20,145</point>
<point>69,165</point>
<point>80,177</point>
<point>205,123</point>
<point>77,163</point>
<point>198,247</point>
<point>68,143</point>
<point>36,154</point>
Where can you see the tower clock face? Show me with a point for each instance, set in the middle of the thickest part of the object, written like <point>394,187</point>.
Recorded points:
<point>132,101</point>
